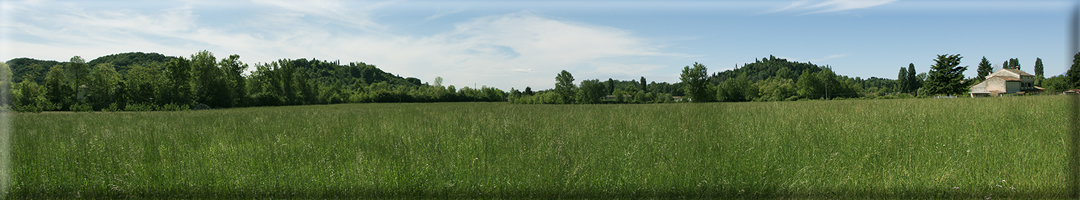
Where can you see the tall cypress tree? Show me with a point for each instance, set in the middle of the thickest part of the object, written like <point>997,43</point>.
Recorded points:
<point>902,80</point>
<point>611,86</point>
<point>644,86</point>
<point>913,83</point>
<point>1038,72</point>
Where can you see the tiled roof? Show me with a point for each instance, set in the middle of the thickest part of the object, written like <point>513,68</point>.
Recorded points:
<point>1006,78</point>
<point>1017,71</point>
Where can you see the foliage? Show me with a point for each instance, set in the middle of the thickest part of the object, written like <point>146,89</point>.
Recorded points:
<point>21,67</point>
<point>57,90</point>
<point>696,83</point>
<point>946,76</point>
<point>177,84</point>
<point>764,69</point>
<point>590,92</point>
<point>1057,84</point>
<point>1039,76</point>
<point>79,75</point>
<point>1074,72</point>
<point>985,69</point>
<point>124,61</point>
<point>776,89</point>
<point>914,81</point>
<point>5,86</point>
<point>564,86</point>
<point>903,80</point>
<point>104,86</point>
<point>736,89</point>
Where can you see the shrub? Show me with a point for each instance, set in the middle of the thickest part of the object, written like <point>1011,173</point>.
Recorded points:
<point>81,107</point>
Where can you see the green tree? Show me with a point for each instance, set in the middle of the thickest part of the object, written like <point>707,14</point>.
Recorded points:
<point>564,86</point>
<point>80,72</point>
<point>178,83</point>
<point>984,69</point>
<point>1039,77</point>
<point>27,96</point>
<point>913,82</point>
<point>946,76</point>
<point>1074,72</point>
<point>102,87</point>
<point>696,82</point>
<point>57,91</point>
<point>234,70</point>
<point>5,84</point>
<point>785,72</point>
<point>735,89</point>
<point>1056,84</point>
<point>809,86</point>
<point>902,79</point>
<point>591,91</point>
<point>210,86</point>
<point>610,86</point>
<point>142,84</point>
<point>644,86</point>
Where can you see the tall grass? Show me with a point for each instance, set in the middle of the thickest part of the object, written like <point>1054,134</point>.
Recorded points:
<point>919,148</point>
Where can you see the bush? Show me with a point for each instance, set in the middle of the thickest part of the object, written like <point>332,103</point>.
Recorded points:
<point>112,108</point>
<point>81,107</point>
<point>28,108</point>
<point>174,107</point>
<point>139,107</point>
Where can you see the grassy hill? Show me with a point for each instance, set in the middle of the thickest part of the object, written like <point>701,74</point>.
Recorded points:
<point>913,148</point>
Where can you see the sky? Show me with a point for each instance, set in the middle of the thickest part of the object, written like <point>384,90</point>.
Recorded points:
<point>515,44</point>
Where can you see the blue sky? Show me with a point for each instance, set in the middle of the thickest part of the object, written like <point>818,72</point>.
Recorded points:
<point>516,44</point>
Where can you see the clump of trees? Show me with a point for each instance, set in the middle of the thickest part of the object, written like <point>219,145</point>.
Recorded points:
<point>593,91</point>
<point>155,82</point>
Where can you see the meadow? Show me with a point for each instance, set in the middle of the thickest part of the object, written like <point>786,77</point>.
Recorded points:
<point>1013,147</point>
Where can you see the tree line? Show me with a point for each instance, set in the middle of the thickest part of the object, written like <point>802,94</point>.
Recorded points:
<point>144,82</point>
<point>150,81</point>
<point>777,79</point>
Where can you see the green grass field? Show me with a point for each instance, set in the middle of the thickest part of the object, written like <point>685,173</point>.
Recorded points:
<point>925,148</point>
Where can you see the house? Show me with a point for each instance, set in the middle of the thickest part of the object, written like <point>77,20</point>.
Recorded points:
<point>679,98</point>
<point>1006,81</point>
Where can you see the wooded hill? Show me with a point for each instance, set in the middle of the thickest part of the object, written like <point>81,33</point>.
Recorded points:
<point>152,81</point>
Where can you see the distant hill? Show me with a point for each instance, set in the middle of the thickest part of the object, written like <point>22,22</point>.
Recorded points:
<point>123,61</point>
<point>320,72</point>
<point>765,68</point>
<point>21,67</point>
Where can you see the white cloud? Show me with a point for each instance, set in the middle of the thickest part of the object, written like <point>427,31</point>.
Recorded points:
<point>439,13</point>
<point>827,6</point>
<point>828,57</point>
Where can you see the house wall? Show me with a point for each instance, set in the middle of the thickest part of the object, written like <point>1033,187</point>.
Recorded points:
<point>993,84</point>
<point>1012,87</point>
<point>1028,83</point>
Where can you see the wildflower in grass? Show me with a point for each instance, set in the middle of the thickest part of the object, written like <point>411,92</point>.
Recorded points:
<point>956,188</point>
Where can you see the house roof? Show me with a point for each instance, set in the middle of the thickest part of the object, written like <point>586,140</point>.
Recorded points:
<point>1006,78</point>
<point>1018,72</point>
